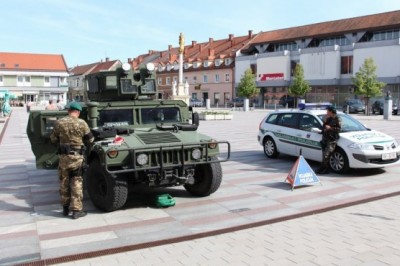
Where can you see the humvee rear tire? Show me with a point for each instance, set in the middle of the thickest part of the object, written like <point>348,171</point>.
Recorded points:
<point>207,178</point>
<point>107,192</point>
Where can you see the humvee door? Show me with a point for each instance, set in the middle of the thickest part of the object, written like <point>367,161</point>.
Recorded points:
<point>39,128</point>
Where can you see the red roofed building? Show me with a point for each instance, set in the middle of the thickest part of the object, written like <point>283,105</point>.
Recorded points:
<point>330,54</point>
<point>34,77</point>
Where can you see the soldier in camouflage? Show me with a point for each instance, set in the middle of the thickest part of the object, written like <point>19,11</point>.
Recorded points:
<point>71,133</point>
<point>330,136</point>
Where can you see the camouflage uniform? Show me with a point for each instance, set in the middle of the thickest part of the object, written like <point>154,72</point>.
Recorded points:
<point>71,132</point>
<point>329,139</point>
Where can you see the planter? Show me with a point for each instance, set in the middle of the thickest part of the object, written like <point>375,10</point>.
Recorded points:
<point>215,116</point>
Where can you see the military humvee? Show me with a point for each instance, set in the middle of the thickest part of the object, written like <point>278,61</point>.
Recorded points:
<point>139,139</point>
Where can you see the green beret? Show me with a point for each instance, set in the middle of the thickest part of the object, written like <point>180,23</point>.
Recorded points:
<point>75,106</point>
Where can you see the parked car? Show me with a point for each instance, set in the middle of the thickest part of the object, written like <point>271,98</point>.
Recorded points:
<point>296,132</point>
<point>237,102</point>
<point>195,102</point>
<point>354,105</point>
<point>287,100</point>
<point>378,105</point>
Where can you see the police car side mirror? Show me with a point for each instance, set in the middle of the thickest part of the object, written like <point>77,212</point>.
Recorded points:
<point>316,130</point>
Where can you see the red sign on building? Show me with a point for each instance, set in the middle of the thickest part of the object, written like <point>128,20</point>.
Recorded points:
<point>271,76</point>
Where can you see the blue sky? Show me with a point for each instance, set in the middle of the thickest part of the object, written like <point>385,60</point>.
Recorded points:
<point>86,31</point>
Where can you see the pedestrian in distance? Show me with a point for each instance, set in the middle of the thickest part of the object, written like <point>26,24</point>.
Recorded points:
<point>71,134</point>
<point>52,106</point>
<point>330,135</point>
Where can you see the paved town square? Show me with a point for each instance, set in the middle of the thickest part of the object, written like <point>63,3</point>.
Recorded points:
<point>253,196</point>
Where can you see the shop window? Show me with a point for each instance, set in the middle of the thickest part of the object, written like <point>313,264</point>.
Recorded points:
<point>346,65</point>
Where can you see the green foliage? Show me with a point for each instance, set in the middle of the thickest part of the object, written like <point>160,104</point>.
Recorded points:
<point>366,82</point>
<point>299,87</point>
<point>247,86</point>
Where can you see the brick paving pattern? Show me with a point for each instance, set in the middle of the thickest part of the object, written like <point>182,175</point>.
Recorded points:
<point>252,190</point>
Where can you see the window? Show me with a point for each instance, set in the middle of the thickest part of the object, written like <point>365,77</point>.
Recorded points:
<point>307,122</point>
<point>340,40</point>
<point>159,81</point>
<point>1,80</point>
<point>63,80</point>
<point>77,83</point>
<point>194,79</point>
<point>168,81</point>
<point>120,117</point>
<point>175,79</point>
<point>216,77</point>
<point>228,61</point>
<point>385,35</point>
<point>253,68</point>
<point>23,81</point>
<point>206,64</point>
<point>346,65</point>
<point>288,120</point>
<point>205,78</point>
<point>293,65</point>
<point>46,81</point>
<point>227,77</point>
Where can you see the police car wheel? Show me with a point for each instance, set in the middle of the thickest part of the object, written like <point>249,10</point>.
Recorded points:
<point>270,149</point>
<point>339,162</point>
<point>208,178</point>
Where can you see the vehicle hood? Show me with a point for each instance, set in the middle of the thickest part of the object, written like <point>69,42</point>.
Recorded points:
<point>367,136</point>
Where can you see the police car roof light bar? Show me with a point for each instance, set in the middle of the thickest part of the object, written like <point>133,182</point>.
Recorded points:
<point>320,106</point>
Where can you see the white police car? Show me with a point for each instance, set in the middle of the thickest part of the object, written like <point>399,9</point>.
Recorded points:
<point>297,132</point>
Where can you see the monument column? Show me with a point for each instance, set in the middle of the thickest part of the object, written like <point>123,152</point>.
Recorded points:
<point>182,92</point>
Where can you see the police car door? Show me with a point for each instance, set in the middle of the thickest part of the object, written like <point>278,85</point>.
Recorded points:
<point>286,133</point>
<point>39,128</point>
<point>308,141</point>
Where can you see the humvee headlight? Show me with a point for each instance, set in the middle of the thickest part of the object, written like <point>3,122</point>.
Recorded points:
<point>196,154</point>
<point>150,66</point>
<point>142,159</point>
<point>112,154</point>
<point>213,144</point>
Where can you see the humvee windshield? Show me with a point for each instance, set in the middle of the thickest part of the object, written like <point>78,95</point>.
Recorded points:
<point>160,115</point>
<point>116,117</point>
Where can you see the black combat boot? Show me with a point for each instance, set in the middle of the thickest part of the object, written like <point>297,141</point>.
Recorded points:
<point>65,210</point>
<point>323,169</point>
<point>78,214</point>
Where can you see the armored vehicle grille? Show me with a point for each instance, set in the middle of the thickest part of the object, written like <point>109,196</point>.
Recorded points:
<point>160,137</point>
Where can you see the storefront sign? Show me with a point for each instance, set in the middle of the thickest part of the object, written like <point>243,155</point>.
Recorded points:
<point>271,76</point>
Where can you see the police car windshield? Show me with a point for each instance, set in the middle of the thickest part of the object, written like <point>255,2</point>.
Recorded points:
<point>348,123</point>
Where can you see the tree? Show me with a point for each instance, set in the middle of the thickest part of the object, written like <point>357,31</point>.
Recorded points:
<point>247,87</point>
<point>366,83</point>
<point>299,87</point>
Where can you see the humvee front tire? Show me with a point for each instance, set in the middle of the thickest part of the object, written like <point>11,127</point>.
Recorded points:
<point>207,178</point>
<point>107,192</point>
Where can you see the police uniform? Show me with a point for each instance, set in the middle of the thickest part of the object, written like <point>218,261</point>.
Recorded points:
<point>70,133</point>
<point>329,139</point>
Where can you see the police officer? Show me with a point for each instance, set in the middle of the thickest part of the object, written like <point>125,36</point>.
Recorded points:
<point>330,136</point>
<point>71,133</point>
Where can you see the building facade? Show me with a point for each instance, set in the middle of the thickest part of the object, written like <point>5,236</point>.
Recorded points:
<point>33,77</point>
<point>330,54</point>
<point>208,68</point>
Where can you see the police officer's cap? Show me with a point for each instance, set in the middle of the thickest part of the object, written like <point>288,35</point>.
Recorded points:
<point>331,109</point>
<point>75,106</point>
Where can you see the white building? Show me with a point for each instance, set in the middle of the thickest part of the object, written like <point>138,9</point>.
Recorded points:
<point>330,53</point>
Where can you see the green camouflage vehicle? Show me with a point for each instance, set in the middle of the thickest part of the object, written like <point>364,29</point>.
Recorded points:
<point>139,139</point>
